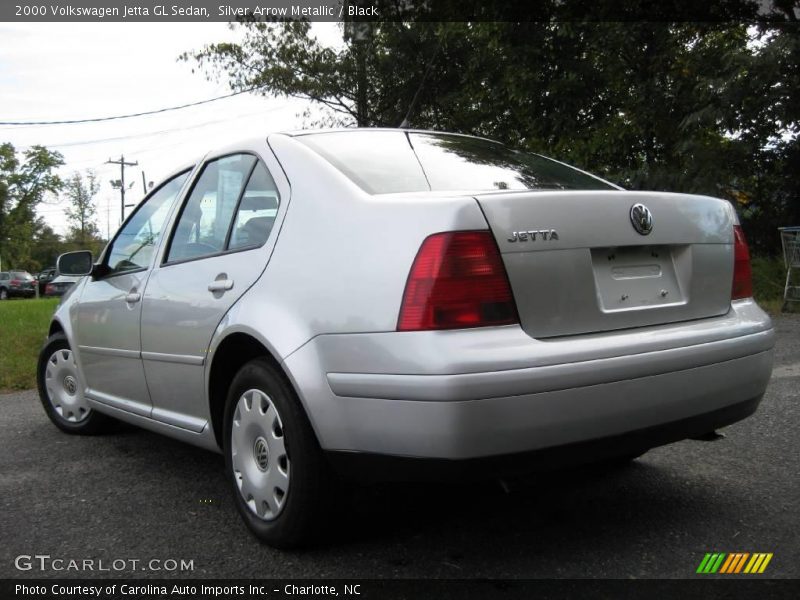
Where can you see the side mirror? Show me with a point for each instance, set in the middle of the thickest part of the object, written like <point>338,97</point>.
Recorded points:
<point>75,264</point>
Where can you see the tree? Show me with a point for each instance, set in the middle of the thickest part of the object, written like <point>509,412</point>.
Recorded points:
<point>699,107</point>
<point>23,185</point>
<point>47,245</point>
<point>81,211</point>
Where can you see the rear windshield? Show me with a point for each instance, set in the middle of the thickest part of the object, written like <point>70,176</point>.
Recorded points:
<point>21,275</point>
<point>383,162</point>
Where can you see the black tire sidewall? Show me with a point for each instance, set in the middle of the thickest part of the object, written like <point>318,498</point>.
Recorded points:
<point>299,520</point>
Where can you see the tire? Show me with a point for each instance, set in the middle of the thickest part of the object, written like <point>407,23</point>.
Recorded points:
<point>3,294</point>
<point>60,390</point>
<point>277,472</point>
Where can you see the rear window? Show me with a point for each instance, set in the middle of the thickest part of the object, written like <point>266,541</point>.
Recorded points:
<point>21,275</point>
<point>383,162</point>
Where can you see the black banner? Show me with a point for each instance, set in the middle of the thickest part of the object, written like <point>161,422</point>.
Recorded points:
<point>216,589</point>
<point>398,10</point>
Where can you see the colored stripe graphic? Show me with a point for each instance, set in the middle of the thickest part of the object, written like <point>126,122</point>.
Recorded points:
<point>726,566</point>
<point>734,562</point>
<point>731,563</point>
<point>765,563</point>
<point>741,561</point>
<point>703,563</point>
<point>711,563</point>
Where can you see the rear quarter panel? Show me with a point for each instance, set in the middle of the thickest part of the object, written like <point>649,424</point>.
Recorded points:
<point>342,257</point>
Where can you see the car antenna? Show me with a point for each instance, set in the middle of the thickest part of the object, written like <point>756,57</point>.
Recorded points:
<point>405,123</point>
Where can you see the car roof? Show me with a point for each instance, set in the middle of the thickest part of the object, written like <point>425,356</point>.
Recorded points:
<point>303,132</point>
<point>254,141</point>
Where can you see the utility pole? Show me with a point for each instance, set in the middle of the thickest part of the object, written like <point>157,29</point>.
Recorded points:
<point>122,164</point>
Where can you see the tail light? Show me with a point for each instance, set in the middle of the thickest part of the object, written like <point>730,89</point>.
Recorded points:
<point>48,289</point>
<point>742,275</point>
<point>15,282</point>
<point>457,281</point>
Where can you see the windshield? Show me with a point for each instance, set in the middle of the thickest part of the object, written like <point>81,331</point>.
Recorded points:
<point>382,162</point>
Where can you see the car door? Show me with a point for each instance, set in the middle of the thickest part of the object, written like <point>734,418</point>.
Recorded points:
<point>219,246</point>
<point>109,311</point>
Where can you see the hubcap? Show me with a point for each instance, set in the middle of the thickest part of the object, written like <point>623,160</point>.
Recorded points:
<point>258,453</point>
<point>63,391</point>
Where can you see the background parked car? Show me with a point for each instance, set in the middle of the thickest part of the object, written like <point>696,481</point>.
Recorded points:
<point>45,277</point>
<point>60,285</point>
<point>17,283</point>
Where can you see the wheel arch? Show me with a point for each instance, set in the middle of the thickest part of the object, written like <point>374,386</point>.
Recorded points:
<point>231,354</point>
<point>55,327</point>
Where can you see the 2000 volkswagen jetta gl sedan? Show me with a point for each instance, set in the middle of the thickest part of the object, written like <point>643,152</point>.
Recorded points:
<point>334,301</point>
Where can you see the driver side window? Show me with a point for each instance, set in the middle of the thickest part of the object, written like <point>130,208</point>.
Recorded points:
<point>133,247</point>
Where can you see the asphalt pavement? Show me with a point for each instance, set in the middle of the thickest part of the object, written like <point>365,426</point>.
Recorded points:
<point>137,496</point>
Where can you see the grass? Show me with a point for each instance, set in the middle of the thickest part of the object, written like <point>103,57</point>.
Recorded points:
<point>23,328</point>
<point>24,323</point>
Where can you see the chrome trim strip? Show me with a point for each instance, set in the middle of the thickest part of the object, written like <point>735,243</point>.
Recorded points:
<point>110,351</point>
<point>184,359</point>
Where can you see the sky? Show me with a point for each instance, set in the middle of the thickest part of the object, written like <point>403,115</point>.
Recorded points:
<point>60,71</point>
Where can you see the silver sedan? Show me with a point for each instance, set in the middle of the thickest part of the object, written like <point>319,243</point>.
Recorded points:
<point>405,304</point>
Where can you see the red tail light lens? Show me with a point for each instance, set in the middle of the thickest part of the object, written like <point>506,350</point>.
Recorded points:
<point>48,289</point>
<point>457,281</point>
<point>742,275</point>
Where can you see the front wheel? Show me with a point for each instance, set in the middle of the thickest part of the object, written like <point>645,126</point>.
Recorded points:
<point>61,392</point>
<point>278,475</point>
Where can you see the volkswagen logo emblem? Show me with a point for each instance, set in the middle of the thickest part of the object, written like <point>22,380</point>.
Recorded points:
<point>261,453</point>
<point>642,219</point>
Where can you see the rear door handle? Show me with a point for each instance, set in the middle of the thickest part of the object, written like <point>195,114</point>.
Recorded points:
<point>133,297</point>
<point>220,285</point>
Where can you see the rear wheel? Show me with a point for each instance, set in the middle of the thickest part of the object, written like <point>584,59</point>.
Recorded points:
<point>276,469</point>
<point>61,390</point>
<point>3,294</point>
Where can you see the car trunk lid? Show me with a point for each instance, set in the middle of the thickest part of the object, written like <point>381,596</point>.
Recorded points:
<point>577,263</point>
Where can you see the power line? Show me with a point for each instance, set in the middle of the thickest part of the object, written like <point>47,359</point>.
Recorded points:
<point>159,132</point>
<point>132,115</point>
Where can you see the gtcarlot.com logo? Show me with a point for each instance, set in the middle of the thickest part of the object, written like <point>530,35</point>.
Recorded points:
<point>734,563</point>
<point>45,562</point>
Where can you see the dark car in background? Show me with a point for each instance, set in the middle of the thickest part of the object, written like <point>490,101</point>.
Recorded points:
<point>60,285</point>
<point>17,283</point>
<point>45,277</point>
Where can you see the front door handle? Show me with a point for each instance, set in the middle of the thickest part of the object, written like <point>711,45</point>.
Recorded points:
<point>220,285</point>
<point>133,297</point>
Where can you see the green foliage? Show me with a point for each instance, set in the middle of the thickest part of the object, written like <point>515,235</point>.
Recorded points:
<point>26,323</point>
<point>769,279</point>
<point>23,185</point>
<point>81,211</point>
<point>709,108</point>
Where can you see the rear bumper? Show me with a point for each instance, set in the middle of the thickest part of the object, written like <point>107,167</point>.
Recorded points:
<point>466,395</point>
<point>22,292</point>
<point>366,466</point>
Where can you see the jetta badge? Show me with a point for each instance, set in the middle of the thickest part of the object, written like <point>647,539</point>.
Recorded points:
<point>642,219</point>
<point>531,235</point>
